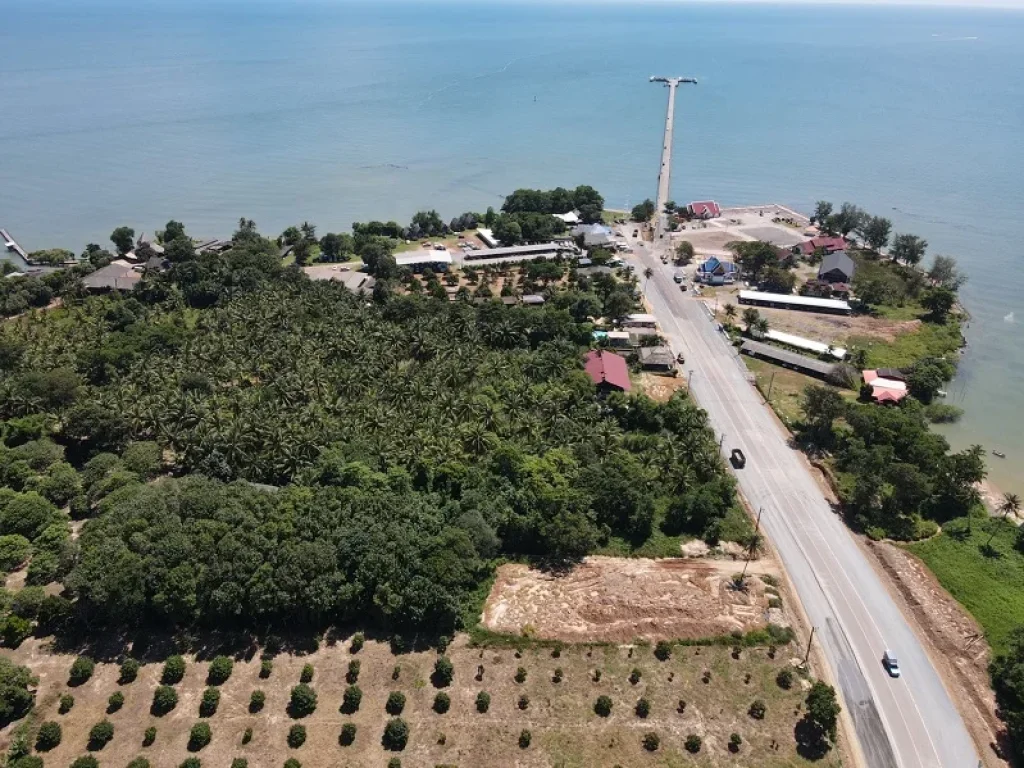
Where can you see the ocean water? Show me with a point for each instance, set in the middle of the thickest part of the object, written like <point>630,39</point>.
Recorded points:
<point>282,111</point>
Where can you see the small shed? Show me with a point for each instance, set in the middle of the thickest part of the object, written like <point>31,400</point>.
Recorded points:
<point>659,359</point>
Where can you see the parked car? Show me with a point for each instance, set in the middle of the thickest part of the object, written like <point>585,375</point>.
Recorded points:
<point>682,287</point>
<point>737,459</point>
<point>677,277</point>
<point>636,233</point>
<point>891,663</point>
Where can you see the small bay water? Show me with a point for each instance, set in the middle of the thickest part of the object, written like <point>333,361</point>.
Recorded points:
<point>133,113</point>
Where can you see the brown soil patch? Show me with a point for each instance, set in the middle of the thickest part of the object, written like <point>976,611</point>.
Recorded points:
<point>661,388</point>
<point>621,599</point>
<point>564,728</point>
<point>954,639</point>
<point>714,239</point>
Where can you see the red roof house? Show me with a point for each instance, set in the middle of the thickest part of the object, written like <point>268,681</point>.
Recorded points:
<point>704,209</point>
<point>607,370</point>
<point>883,388</point>
<point>827,244</point>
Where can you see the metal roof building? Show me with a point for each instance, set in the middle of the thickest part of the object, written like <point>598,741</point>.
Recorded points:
<point>517,253</point>
<point>787,359</point>
<point>787,301</point>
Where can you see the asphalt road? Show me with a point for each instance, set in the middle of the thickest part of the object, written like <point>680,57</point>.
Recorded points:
<point>906,722</point>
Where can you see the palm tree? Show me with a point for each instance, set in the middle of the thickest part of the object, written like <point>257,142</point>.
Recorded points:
<point>750,317</point>
<point>1010,505</point>
<point>730,311</point>
<point>761,326</point>
<point>648,273</point>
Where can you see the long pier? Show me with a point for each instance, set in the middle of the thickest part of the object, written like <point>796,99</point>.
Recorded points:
<point>665,173</point>
<point>12,244</point>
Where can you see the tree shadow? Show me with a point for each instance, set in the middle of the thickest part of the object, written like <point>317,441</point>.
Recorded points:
<point>811,740</point>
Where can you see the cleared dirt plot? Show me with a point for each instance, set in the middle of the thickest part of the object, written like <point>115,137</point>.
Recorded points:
<point>705,692</point>
<point>620,599</point>
<point>706,239</point>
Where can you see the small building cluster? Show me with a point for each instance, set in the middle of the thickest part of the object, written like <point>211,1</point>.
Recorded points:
<point>888,385</point>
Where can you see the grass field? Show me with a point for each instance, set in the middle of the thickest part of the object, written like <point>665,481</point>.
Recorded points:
<point>929,340</point>
<point>990,586</point>
<point>564,730</point>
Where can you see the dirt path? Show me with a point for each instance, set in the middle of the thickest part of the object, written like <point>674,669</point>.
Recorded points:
<point>953,639</point>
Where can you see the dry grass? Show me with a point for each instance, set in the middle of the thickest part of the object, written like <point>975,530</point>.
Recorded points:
<point>560,715</point>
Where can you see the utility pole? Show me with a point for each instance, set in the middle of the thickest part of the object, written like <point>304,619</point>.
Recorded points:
<point>810,640</point>
<point>770,383</point>
<point>720,442</point>
<point>753,543</point>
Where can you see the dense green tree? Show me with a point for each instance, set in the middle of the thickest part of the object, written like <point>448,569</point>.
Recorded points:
<point>821,407</point>
<point>123,239</point>
<point>939,302</point>
<point>909,249</point>
<point>643,211</point>
<point>875,231</point>
<point>945,273</point>
<point>396,735</point>
<point>822,212</point>
<point>16,694</point>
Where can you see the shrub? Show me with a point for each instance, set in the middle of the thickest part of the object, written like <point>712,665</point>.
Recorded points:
<point>26,761</point>
<point>396,672</point>
<point>67,701</point>
<point>291,762</point>
<point>149,736</point>
<point>597,676</point>
<point>165,699</point>
<point>15,549</point>
<point>353,671</point>
<point>520,675</point>
<point>86,761</point>
<point>129,671</point>
<point>693,743</point>
<point>49,736</point>
<point>199,736</point>
<point>138,762</point>
<point>351,699</point>
<point>239,762</point>
<point>394,762</point>
<point>348,734</point>
<point>444,672</point>
<point>115,702</point>
<point>757,709</point>
<point>296,736</point>
<point>651,741</point>
<point>643,708</point>
<point>14,630</point>
<point>81,670</point>
<point>396,735</point>
<point>663,650</point>
<point>442,702</point>
<point>634,676</point>
<point>483,702</point>
<point>100,735</point>
<point>306,676</point>
<point>174,670</point>
<point>266,667</point>
<point>735,740</point>
<point>358,639</point>
<point>219,671</point>
<point>209,702</point>
<point>191,762</point>
<point>247,736</point>
<point>681,706</point>
<point>525,737</point>
<point>557,677</point>
<point>785,679</point>
<point>603,706</point>
<point>302,702</point>
<point>256,700</point>
<point>524,702</point>
<point>395,703</point>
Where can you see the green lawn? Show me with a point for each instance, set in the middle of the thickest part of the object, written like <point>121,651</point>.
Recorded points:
<point>991,587</point>
<point>609,216</point>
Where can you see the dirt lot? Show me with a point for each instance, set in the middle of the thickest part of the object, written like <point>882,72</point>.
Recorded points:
<point>620,599</point>
<point>706,239</point>
<point>565,731</point>
<point>954,641</point>
<point>661,388</point>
